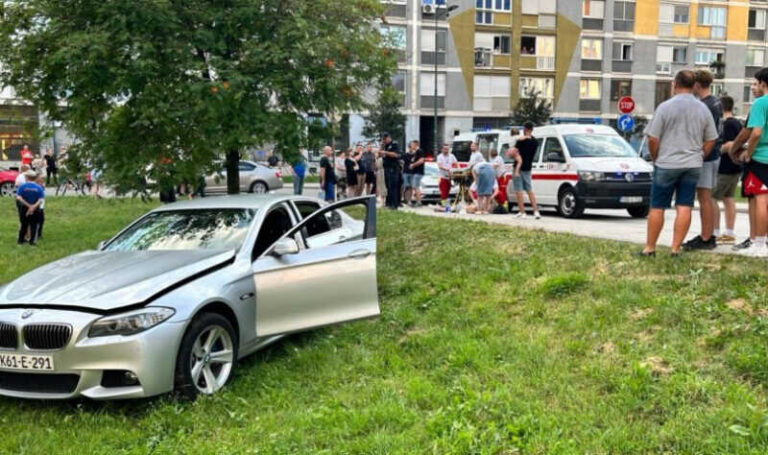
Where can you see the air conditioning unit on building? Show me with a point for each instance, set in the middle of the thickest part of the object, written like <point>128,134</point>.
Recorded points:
<point>428,8</point>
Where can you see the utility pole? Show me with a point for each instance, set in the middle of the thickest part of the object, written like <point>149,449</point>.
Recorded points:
<point>448,10</point>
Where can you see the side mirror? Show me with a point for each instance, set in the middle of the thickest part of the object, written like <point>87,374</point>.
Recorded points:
<point>554,157</point>
<point>284,247</point>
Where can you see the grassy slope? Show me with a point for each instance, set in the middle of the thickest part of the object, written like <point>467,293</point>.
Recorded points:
<point>490,340</point>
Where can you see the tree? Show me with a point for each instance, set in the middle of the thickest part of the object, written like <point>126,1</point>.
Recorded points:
<point>159,89</point>
<point>533,108</point>
<point>385,115</point>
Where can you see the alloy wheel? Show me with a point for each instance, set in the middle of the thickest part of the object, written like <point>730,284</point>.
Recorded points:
<point>6,189</point>
<point>211,359</point>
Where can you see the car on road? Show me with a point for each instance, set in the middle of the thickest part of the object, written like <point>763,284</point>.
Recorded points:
<point>578,167</point>
<point>7,181</point>
<point>254,178</point>
<point>430,184</point>
<point>177,297</point>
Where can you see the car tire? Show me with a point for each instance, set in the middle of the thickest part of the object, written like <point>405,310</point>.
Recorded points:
<point>568,204</point>
<point>6,189</point>
<point>258,188</point>
<point>201,360</point>
<point>639,212</point>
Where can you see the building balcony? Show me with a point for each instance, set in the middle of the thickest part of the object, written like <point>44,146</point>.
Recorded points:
<point>428,102</point>
<point>428,58</point>
<point>589,105</point>
<point>532,62</point>
<point>484,58</point>
<point>623,26</point>
<point>591,24</point>
<point>591,65</point>
<point>750,71</point>
<point>622,66</point>
<point>395,10</point>
<point>754,34</point>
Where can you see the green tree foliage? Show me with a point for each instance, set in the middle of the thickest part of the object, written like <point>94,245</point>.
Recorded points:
<point>385,115</point>
<point>533,108</point>
<point>158,90</point>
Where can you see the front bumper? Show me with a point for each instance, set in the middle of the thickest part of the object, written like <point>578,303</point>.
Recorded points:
<point>150,355</point>
<point>613,195</point>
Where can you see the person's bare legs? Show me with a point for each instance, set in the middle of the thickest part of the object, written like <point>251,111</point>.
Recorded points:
<point>752,218</point>
<point>716,214</point>
<point>407,195</point>
<point>706,212</point>
<point>532,198</point>
<point>761,215</point>
<point>682,225</point>
<point>655,225</point>
<point>520,201</point>
<point>730,213</point>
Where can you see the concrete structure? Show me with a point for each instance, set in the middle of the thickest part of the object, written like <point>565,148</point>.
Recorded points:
<point>581,54</point>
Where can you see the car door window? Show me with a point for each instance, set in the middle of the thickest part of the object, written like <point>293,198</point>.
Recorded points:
<point>276,223</point>
<point>553,146</point>
<point>246,167</point>
<point>315,226</point>
<point>333,226</point>
<point>537,156</point>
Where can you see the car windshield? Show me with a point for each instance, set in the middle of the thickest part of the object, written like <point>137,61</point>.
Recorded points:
<point>431,170</point>
<point>597,146</point>
<point>204,229</point>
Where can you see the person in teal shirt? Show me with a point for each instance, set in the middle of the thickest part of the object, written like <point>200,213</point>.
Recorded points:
<point>756,158</point>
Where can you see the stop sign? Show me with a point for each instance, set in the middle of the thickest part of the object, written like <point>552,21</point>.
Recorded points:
<point>626,105</point>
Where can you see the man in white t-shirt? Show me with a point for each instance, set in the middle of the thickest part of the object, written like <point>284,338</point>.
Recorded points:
<point>21,178</point>
<point>445,162</point>
<point>476,157</point>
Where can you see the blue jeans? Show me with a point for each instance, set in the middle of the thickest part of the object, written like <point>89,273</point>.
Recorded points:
<point>678,182</point>
<point>298,185</point>
<point>392,181</point>
<point>328,189</point>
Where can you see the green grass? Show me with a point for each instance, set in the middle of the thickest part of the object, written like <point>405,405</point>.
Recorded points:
<point>307,179</point>
<point>491,340</point>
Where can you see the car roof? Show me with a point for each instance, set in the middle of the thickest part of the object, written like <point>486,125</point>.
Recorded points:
<point>549,130</point>
<point>242,201</point>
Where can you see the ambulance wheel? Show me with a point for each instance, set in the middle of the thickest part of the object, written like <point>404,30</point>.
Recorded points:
<point>568,204</point>
<point>638,212</point>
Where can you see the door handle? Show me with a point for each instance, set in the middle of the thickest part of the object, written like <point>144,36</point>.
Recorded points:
<point>359,254</point>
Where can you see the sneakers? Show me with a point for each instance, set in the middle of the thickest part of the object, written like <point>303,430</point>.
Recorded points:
<point>726,239</point>
<point>697,243</point>
<point>756,251</point>
<point>537,215</point>
<point>743,245</point>
<point>521,215</point>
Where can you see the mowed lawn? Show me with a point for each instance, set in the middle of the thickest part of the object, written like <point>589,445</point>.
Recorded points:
<point>491,340</point>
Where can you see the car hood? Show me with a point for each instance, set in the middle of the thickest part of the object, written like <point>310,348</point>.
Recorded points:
<point>104,281</point>
<point>630,164</point>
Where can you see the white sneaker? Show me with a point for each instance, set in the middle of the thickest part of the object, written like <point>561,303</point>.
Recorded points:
<point>756,251</point>
<point>537,215</point>
<point>521,215</point>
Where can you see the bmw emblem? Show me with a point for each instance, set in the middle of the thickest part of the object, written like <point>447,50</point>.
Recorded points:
<point>629,177</point>
<point>27,314</point>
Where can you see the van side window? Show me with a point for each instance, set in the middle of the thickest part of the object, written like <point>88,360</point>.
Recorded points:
<point>537,156</point>
<point>553,146</point>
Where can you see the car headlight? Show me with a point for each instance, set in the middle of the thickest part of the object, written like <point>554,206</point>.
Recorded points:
<point>591,176</point>
<point>129,323</point>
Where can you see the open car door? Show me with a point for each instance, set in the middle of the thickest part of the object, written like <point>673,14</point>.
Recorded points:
<point>321,272</point>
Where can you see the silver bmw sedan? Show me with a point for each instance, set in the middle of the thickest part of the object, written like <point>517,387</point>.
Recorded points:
<point>177,297</point>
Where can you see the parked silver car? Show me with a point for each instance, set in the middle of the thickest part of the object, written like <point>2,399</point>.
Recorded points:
<point>254,178</point>
<point>430,184</point>
<point>173,300</point>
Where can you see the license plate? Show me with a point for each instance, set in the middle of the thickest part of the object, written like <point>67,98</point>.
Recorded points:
<point>631,199</point>
<point>26,362</point>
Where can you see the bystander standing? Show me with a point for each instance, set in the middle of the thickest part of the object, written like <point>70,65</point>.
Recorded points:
<point>30,195</point>
<point>390,154</point>
<point>327,175</point>
<point>727,177</point>
<point>413,172</point>
<point>445,163</point>
<point>525,147</point>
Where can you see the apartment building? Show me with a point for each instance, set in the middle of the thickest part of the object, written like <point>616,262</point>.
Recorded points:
<point>583,55</point>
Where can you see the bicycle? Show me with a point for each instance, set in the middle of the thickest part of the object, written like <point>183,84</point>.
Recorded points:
<point>81,187</point>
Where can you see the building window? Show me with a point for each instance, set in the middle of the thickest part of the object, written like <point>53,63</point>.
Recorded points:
<point>673,14</point>
<point>680,54</point>
<point>622,51</point>
<point>681,14</point>
<point>431,42</point>
<point>491,93</point>
<point>757,19</point>
<point>394,36</point>
<point>715,18</point>
<point>591,49</point>
<point>755,57</point>
<point>541,47</point>
<point>589,89</point>
<point>539,6</point>
<point>398,82</point>
<point>494,5</point>
<point>620,89</point>
<point>544,86</point>
<point>624,11</point>
<point>707,56</point>
<point>663,91</point>
<point>593,9</point>
<point>498,43</point>
<point>427,86</point>
<point>718,89</point>
<point>664,59</point>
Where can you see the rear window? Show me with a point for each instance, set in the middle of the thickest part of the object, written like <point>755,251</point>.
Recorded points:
<point>597,146</point>
<point>461,150</point>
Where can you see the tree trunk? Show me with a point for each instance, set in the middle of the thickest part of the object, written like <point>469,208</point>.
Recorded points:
<point>233,172</point>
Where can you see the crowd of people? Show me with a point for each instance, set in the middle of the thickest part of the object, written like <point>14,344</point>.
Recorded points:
<point>701,152</point>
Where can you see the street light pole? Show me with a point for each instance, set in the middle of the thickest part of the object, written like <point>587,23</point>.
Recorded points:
<point>448,10</point>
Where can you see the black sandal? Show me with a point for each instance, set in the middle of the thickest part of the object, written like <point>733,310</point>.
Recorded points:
<point>650,254</point>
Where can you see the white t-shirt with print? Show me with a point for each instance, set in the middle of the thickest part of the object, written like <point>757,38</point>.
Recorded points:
<point>476,158</point>
<point>446,161</point>
<point>499,166</point>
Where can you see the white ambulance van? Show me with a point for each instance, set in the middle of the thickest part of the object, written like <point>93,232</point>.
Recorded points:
<point>578,167</point>
<point>486,141</point>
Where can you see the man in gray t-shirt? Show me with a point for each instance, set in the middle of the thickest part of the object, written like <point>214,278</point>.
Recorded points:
<point>681,133</point>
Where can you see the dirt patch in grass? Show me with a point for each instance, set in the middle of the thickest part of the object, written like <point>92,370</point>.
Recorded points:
<point>657,366</point>
<point>640,313</point>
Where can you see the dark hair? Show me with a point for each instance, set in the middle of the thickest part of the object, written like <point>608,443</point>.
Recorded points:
<point>685,79</point>
<point>415,142</point>
<point>528,125</point>
<point>704,78</point>
<point>727,103</point>
<point>762,76</point>
<point>514,132</point>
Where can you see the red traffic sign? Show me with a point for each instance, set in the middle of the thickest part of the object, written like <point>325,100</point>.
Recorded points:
<point>626,105</point>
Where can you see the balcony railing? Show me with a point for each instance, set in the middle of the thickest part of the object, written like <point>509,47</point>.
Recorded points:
<point>545,63</point>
